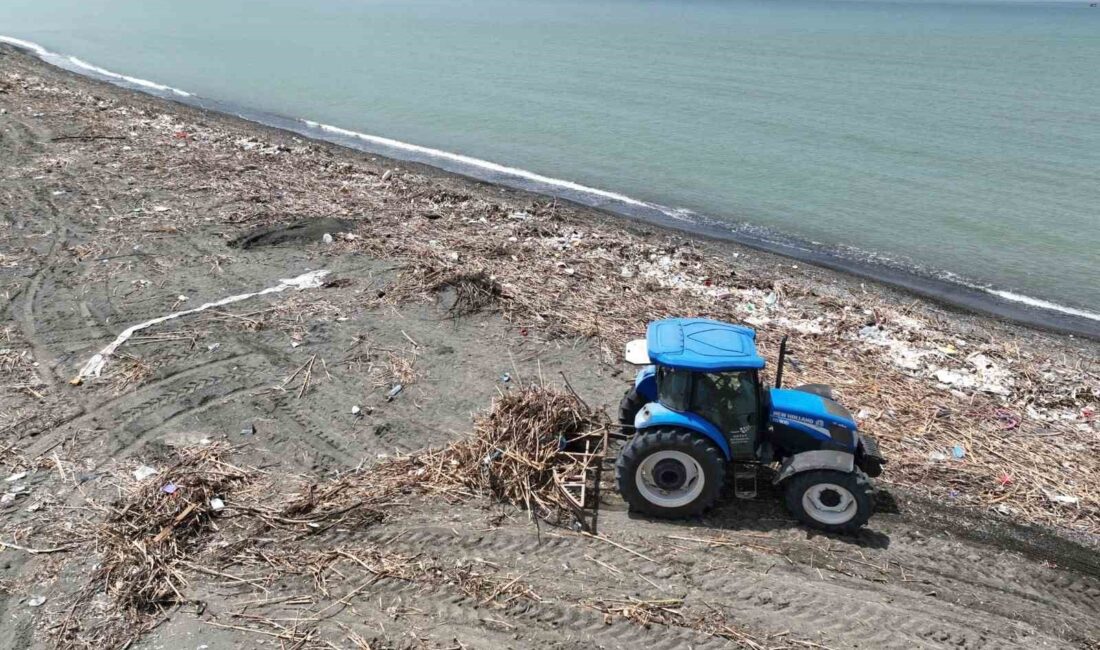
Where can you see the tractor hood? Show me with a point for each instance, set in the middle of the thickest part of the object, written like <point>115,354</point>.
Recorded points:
<point>810,410</point>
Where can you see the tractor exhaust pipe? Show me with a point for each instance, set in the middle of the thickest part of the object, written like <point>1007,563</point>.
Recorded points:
<point>780,362</point>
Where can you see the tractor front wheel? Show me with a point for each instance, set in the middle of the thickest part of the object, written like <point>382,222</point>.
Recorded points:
<point>629,406</point>
<point>671,473</point>
<point>836,502</point>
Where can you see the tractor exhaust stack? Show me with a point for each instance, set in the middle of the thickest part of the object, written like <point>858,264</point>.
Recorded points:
<point>779,363</point>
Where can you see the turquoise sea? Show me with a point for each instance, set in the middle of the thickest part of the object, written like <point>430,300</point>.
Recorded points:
<point>950,140</point>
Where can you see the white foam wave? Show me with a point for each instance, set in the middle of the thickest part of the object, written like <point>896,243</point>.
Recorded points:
<point>27,45</point>
<point>479,163</point>
<point>1042,304</point>
<point>144,83</point>
<point>77,65</point>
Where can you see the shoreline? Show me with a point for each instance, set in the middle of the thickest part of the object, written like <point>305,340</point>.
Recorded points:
<point>1036,313</point>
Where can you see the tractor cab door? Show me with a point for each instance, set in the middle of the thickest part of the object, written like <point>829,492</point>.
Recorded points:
<point>729,400</point>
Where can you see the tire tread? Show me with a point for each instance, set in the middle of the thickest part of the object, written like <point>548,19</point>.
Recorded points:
<point>710,458</point>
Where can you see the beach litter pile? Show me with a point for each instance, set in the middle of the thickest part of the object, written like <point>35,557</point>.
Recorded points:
<point>537,447</point>
<point>145,545</point>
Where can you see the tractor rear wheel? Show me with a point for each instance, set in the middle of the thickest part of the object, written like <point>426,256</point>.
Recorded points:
<point>837,502</point>
<point>669,472</point>
<point>629,406</point>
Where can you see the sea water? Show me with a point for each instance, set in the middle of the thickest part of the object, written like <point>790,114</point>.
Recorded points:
<point>958,140</point>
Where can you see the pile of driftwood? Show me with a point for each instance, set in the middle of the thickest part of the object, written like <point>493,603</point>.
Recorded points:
<point>145,543</point>
<point>538,447</point>
<point>145,546</point>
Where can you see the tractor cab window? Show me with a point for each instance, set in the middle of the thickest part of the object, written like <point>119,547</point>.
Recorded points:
<point>726,399</point>
<point>674,388</point>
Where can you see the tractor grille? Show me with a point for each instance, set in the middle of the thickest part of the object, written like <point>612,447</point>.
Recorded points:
<point>870,448</point>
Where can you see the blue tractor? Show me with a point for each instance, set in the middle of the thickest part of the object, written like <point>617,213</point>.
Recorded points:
<point>699,408</point>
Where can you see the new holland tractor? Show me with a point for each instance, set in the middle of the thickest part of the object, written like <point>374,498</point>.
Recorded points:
<point>698,409</point>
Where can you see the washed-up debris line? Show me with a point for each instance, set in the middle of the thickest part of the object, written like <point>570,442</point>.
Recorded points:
<point>923,384</point>
<point>922,379</point>
<point>537,447</point>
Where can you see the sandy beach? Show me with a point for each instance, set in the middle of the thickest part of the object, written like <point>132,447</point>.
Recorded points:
<point>321,311</point>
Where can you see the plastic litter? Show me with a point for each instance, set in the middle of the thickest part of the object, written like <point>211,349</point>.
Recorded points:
<point>36,601</point>
<point>958,452</point>
<point>169,488</point>
<point>144,472</point>
<point>326,238</point>
<point>506,378</point>
<point>217,504</point>
<point>355,410</point>
<point>94,366</point>
<point>397,388</point>
<point>248,429</point>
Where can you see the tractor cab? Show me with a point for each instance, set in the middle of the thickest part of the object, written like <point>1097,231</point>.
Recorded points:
<point>705,372</point>
<point>699,387</point>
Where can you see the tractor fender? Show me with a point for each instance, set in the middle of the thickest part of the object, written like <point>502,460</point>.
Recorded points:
<point>655,415</point>
<point>645,383</point>
<point>840,461</point>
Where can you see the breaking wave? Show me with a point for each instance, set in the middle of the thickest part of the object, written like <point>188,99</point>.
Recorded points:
<point>76,65</point>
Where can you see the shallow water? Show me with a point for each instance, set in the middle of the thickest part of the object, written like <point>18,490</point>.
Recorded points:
<point>963,139</point>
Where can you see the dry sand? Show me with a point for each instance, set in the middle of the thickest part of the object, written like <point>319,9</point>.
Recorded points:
<point>121,208</point>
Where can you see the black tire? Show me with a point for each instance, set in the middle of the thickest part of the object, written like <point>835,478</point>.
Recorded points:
<point>629,406</point>
<point>710,458</point>
<point>856,483</point>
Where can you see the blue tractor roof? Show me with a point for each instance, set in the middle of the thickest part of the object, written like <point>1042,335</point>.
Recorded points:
<point>702,344</point>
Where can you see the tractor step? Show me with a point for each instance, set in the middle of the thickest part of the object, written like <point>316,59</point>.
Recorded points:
<point>744,481</point>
